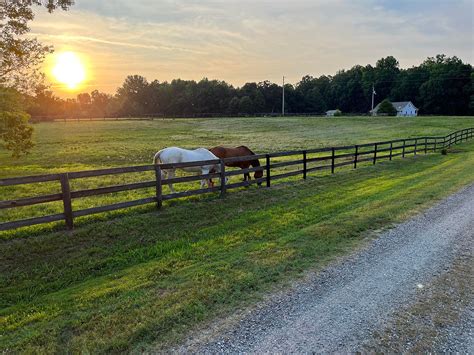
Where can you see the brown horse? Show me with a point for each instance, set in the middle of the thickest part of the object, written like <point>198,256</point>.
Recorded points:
<point>242,151</point>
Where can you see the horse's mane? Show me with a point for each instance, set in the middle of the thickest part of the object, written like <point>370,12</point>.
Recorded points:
<point>245,147</point>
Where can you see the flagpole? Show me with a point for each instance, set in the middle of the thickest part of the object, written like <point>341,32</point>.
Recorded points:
<point>373,93</point>
<point>283,98</point>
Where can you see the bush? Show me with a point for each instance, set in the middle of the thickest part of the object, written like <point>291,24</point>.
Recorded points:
<point>338,113</point>
<point>387,108</point>
<point>444,152</point>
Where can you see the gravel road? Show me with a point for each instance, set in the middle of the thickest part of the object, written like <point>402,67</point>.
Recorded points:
<point>339,308</point>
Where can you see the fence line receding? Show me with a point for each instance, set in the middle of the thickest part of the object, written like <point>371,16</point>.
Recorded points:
<point>335,157</point>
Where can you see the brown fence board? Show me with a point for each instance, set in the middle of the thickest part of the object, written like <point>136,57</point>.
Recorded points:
<point>29,179</point>
<point>189,164</point>
<point>316,168</point>
<point>29,201</point>
<point>292,173</point>
<point>177,180</point>
<point>327,157</point>
<point>111,189</point>
<point>244,171</point>
<point>245,183</point>
<point>345,155</point>
<point>190,193</point>
<point>285,154</point>
<point>245,158</point>
<point>113,207</point>
<point>110,171</point>
<point>287,163</point>
<point>31,221</point>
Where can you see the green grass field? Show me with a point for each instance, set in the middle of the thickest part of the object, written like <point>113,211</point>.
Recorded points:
<point>139,282</point>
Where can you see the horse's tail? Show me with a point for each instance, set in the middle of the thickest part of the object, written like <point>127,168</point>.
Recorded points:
<point>156,158</point>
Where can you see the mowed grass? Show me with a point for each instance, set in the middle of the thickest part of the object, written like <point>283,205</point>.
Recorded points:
<point>88,145</point>
<point>139,282</point>
<point>74,146</point>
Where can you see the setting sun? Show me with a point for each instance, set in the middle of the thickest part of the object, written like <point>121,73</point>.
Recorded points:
<point>69,69</point>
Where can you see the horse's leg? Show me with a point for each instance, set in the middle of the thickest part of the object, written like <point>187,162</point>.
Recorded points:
<point>171,174</point>
<point>203,182</point>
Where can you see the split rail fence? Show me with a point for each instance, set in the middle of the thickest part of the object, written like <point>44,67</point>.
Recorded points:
<point>334,157</point>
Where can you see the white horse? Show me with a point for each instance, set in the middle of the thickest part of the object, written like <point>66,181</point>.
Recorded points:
<point>173,155</point>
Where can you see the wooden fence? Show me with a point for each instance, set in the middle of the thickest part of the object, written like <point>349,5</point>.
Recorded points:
<point>333,158</point>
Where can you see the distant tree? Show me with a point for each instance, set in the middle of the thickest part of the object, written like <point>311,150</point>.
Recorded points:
<point>246,105</point>
<point>387,108</point>
<point>386,74</point>
<point>449,87</point>
<point>439,85</point>
<point>234,105</point>
<point>133,95</point>
<point>99,103</point>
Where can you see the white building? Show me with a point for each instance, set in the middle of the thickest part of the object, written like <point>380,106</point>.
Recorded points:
<point>404,109</point>
<point>332,112</point>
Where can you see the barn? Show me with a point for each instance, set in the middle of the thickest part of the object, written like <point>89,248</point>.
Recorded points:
<point>404,108</point>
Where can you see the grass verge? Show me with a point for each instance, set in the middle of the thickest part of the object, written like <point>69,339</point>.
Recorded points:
<point>122,284</point>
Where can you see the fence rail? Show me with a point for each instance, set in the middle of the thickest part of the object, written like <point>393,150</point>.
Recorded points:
<point>350,155</point>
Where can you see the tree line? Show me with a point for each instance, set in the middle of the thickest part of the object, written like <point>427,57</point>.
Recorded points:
<point>440,85</point>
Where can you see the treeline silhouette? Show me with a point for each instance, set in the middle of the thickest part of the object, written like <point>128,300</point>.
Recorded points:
<point>440,85</point>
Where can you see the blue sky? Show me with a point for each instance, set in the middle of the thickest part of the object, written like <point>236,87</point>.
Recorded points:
<point>240,41</point>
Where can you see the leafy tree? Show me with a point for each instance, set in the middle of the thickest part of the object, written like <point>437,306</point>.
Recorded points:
<point>15,133</point>
<point>20,59</point>
<point>387,108</point>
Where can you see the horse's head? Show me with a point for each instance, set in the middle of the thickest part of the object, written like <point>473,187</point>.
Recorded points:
<point>258,174</point>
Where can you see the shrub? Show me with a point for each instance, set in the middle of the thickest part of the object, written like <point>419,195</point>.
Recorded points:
<point>387,108</point>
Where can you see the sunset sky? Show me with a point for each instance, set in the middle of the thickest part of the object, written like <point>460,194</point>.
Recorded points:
<point>249,40</point>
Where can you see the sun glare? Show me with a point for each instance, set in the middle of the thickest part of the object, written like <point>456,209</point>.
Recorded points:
<point>69,69</point>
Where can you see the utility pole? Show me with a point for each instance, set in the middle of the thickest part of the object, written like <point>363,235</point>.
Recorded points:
<point>283,98</point>
<point>373,94</point>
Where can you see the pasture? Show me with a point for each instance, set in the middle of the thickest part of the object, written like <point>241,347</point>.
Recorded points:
<point>138,282</point>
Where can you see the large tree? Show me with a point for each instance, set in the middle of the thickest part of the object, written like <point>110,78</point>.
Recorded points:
<point>20,60</point>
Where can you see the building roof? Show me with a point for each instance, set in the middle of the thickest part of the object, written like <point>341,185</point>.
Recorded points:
<point>331,111</point>
<point>397,105</point>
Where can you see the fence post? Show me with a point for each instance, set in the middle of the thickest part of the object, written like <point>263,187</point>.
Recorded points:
<point>436,141</point>
<point>333,153</point>
<point>416,146</point>
<point>403,148</point>
<point>223,187</point>
<point>304,164</point>
<point>66,195</point>
<point>375,152</point>
<point>159,187</point>
<point>391,150</point>
<point>356,155</point>
<point>426,145</point>
<point>268,177</point>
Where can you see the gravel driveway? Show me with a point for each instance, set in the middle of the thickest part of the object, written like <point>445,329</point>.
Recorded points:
<point>340,308</point>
